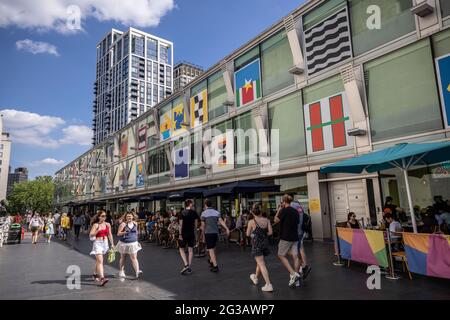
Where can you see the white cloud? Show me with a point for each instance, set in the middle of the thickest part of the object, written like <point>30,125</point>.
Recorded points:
<point>51,161</point>
<point>76,134</point>
<point>31,128</point>
<point>44,131</point>
<point>36,47</point>
<point>55,15</point>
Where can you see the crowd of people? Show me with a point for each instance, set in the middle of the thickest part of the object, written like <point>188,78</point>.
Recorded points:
<point>186,230</point>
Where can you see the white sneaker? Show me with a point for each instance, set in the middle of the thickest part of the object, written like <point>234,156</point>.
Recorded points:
<point>293,279</point>
<point>267,288</point>
<point>122,274</point>
<point>254,279</point>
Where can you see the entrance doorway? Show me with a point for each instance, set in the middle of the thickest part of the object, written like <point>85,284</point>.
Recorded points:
<point>348,196</point>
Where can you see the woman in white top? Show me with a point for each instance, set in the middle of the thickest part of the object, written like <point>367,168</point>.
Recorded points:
<point>36,223</point>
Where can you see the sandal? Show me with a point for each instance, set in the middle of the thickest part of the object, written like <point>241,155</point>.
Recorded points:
<point>103,281</point>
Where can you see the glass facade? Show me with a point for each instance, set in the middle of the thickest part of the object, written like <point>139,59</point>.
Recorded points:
<point>396,21</point>
<point>276,59</point>
<point>286,116</point>
<point>247,57</point>
<point>402,94</point>
<point>152,49</point>
<point>318,14</point>
<point>217,95</point>
<point>445,8</point>
<point>323,89</point>
<point>441,43</point>
<point>400,91</point>
<point>246,140</point>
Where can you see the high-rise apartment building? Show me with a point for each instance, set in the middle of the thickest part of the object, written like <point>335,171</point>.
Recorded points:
<point>5,154</point>
<point>18,176</point>
<point>134,73</point>
<point>183,73</point>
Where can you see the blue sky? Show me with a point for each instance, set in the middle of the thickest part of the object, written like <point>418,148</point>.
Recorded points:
<point>49,95</point>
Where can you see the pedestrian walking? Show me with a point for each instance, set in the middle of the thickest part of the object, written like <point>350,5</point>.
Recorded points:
<point>57,223</point>
<point>211,219</point>
<point>49,228</point>
<point>77,223</point>
<point>303,227</point>
<point>35,225</point>
<point>100,234</point>
<point>188,222</point>
<point>259,229</point>
<point>65,226</point>
<point>128,243</point>
<point>288,219</point>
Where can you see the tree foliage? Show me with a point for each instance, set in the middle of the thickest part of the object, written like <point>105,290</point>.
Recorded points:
<point>35,195</point>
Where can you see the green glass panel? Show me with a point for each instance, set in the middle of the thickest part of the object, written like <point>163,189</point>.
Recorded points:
<point>402,93</point>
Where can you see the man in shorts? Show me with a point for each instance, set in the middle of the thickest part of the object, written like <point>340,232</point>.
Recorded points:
<point>289,220</point>
<point>210,229</point>
<point>188,223</point>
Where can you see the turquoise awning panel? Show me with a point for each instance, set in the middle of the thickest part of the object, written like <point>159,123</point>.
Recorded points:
<point>402,155</point>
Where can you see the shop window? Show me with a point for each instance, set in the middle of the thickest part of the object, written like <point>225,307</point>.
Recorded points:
<point>286,116</point>
<point>402,93</point>
<point>396,21</point>
<point>276,59</point>
<point>441,43</point>
<point>217,95</point>
<point>246,140</point>
<point>445,8</point>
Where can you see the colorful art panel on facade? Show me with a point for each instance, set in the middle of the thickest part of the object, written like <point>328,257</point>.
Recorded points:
<point>428,254</point>
<point>328,42</point>
<point>139,175</point>
<point>248,83</point>
<point>326,123</point>
<point>178,120</point>
<point>199,109</point>
<point>165,126</point>
<point>222,150</point>
<point>124,144</point>
<point>181,162</point>
<point>443,71</point>
<point>365,246</point>
<point>142,138</point>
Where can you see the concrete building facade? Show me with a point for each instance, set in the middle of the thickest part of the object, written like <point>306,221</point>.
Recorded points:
<point>5,155</point>
<point>321,85</point>
<point>183,73</point>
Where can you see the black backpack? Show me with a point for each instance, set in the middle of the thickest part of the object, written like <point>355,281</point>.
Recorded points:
<point>306,224</point>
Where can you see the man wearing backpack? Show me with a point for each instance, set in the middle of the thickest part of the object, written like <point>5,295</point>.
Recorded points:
<point>303,228</point>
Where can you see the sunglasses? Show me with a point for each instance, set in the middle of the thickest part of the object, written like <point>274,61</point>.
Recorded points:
<point>102,216</point>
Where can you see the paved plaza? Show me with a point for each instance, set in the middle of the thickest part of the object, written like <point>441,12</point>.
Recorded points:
<point>39,272</point>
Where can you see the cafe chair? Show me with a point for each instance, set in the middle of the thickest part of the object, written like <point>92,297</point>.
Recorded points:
<point>401,255</point>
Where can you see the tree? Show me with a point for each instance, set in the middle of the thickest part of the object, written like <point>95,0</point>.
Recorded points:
<point>35,195</point>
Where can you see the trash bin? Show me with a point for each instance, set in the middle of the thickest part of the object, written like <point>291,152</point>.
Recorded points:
<point>14,233</point>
